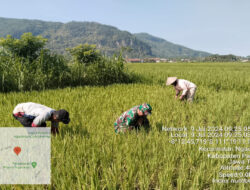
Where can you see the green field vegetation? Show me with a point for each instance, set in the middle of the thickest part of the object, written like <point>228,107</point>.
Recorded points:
<point>89,155</point>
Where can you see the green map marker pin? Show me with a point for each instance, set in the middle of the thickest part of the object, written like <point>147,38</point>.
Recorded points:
<point>33,164</point>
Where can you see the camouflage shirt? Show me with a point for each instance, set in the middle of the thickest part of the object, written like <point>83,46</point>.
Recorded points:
<point>127,120</point>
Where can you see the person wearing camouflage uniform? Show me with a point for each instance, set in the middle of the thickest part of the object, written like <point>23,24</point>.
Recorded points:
<point>133,119</point>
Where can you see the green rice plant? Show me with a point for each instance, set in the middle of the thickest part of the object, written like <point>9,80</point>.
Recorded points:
<point>89,155</point>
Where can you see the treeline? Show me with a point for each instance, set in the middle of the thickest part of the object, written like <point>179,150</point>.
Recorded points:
<point>25,64</point>
<point>221,58</point>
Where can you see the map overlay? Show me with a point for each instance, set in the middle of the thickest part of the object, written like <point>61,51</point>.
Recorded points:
<point>25,155</point>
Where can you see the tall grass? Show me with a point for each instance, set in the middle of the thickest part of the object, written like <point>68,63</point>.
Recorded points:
<point>89,155</point>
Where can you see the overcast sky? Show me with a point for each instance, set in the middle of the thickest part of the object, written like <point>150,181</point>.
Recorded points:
<point>215,26</point>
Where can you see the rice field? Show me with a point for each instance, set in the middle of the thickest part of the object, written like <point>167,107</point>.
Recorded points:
<point>89,155</point>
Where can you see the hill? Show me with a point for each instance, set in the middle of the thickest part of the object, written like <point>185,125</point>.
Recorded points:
<point>163,48</point>
<point>108,39</point>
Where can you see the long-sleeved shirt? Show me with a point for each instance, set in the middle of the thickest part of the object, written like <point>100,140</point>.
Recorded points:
<point>128,118</point>
<point>184,86</point>
<point>39,112</point>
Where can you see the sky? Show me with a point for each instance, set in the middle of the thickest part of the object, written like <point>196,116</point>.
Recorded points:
<point>214,26</point>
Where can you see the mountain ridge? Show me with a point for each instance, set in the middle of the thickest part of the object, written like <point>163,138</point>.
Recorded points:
<point>161,47</point>
<point>108,39</point>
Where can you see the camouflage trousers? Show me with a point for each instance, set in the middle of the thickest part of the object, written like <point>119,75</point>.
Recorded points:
<point>125,128</point>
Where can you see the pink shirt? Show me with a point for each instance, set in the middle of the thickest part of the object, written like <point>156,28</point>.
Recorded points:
<point>183,85</point>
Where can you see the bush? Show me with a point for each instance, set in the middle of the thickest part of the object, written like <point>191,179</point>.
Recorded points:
<point>91,68</point>
<point>26,65</point>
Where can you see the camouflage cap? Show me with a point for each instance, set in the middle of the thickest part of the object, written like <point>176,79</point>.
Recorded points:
<point>145,108</point>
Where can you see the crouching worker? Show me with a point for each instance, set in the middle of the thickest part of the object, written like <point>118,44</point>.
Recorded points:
<point>188,88</point>
<point>35,115</point>
<point>134,118</point>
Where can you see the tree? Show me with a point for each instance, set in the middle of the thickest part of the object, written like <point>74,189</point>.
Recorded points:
<point>28,46</point>
<point>25,64</point>
<point>85,54</point>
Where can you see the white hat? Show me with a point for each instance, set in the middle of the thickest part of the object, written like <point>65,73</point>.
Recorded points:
<point>171,80</point>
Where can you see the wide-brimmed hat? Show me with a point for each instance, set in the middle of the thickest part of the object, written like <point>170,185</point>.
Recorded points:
<point>171,80</point>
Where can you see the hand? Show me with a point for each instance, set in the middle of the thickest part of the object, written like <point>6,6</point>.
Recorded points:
<point>140,120</point>
<point>34,125</point>
<point>54,130</point>
<point>181,97</point>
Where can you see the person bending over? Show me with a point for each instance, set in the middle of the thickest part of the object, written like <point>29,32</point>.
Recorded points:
<point>188,88</point>
<point>133,118</point>
<point>31,114</point>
